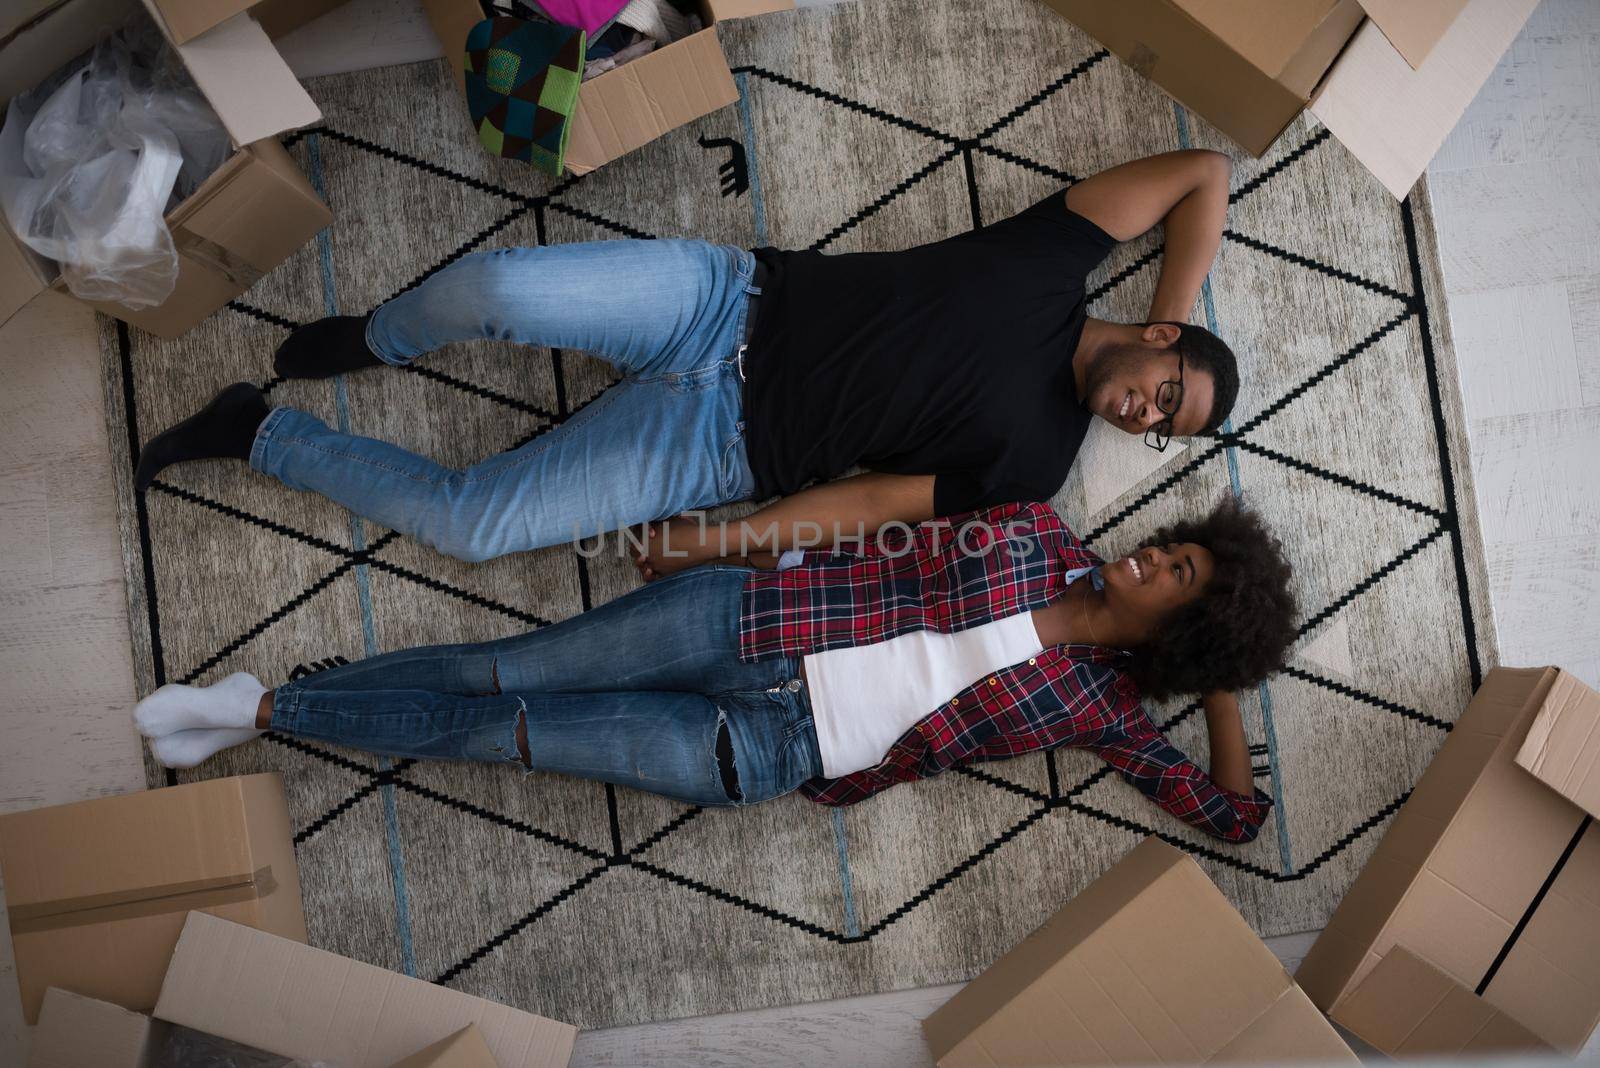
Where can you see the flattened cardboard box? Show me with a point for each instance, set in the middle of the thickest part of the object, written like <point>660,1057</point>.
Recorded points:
<point>254,211</point>
<point>1487,875</point>
<point>1389,78</point>
<point>97,891</point>
<point>631,106</point>
<point>79,1032</point>
<point>1150,963</point>
<point>290,999</point>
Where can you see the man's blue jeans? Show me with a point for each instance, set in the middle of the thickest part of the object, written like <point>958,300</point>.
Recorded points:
<point>645,691</point>
<point>669,437</point>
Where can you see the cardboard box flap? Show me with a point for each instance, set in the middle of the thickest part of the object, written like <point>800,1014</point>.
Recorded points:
<point>1413,27</point>
<point>1291,1023</point>
<point>18,14</point>
<point>638,102</point>
<point>1562,749</point>
<point>720,10</point>
<point>290,999</point>
<point>1407,1007</point>
<point>184,20</point>
<point>36,48</point>
<point>79,1032</point>
<point>464,1049</point>
<point>1393,118</point>
<point>246,80</point>
<point>1267,33</point>
<point>22,274</point>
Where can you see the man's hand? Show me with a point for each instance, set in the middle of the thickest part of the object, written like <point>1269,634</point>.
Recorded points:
<point>1188,192</point>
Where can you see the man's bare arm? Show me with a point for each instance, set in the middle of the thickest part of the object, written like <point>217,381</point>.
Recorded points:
<point>811,519</point>
<point>1188,192</point>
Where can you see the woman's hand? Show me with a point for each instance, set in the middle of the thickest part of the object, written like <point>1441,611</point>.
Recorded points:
<point>673,545</point>
<point>688,545</point>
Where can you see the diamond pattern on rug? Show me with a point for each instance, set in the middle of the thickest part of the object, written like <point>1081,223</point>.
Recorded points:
<point>548,893</point>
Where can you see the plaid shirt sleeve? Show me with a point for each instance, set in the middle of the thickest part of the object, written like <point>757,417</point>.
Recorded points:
<point>1166,776</point>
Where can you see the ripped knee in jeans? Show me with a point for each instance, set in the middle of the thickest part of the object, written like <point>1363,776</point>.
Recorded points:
<point>522,734</point>
<point>725,764</point>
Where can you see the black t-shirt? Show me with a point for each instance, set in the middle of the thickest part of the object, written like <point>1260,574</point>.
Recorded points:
<point>952,359</point>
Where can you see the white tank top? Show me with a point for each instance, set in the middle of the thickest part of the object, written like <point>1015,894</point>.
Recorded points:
<point>865,697</point>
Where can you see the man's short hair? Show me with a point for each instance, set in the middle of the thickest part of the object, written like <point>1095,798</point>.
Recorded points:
<point>1240,628</point>
<point>1207,352</point>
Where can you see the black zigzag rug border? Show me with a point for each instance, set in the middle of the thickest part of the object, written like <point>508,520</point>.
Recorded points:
<point>1058,798</point>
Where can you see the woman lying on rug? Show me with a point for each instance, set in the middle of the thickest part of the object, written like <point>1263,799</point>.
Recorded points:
<point>731,684</point>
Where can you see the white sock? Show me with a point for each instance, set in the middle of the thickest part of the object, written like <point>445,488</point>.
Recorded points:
<point>175,707</point>
<point>185,749</point>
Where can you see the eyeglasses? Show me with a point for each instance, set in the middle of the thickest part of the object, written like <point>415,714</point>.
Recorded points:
<point>1169,398</point>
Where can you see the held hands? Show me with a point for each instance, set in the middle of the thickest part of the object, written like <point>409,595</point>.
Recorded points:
<point>672,545</point>
<point>685,541</point>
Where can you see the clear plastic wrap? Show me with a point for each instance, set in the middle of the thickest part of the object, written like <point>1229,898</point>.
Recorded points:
<point>91,161</point>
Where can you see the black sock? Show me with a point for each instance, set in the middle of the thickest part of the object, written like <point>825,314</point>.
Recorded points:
<point>326,348</point>
<point>222,429</point>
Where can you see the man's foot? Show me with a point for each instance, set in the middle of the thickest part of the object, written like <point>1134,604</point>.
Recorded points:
<point>185,749</point>
<point>230,704</point>
<point>326,348</point>
<point>223,429</point>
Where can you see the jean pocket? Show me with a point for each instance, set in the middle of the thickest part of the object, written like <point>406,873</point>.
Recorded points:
<point>696,381</point>
<point>735,481</point>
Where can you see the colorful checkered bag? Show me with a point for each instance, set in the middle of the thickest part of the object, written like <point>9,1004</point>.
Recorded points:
<point>522,88</point>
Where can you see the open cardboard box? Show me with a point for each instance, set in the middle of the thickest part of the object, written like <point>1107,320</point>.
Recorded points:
<point>1389,78</point>
<point>79,1032</point>
<point>1487,876</point>
<point>255,210</point>
<point>636,103</point>
<point>1150,963</point>
<point>97,891</point>
<point>277,995</point>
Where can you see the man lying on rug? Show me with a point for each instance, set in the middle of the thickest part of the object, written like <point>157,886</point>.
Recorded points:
<point>963,374</point>
<point>734,684</point>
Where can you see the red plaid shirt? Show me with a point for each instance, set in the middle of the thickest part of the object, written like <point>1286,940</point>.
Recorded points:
<point>962,572</point>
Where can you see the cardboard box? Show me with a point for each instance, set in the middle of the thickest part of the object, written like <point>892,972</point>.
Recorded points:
<point>1562,749</point>
<point>77,1032</point>
<point>633,105</point>
<point>1389,78</point>
<point>464,1049</point>
<point>1149,963</point>
<point>1412,1009</point>
<point>1487,875</point>
<point>98,890</point>
<point>290,999</point>
<point>249,215</point>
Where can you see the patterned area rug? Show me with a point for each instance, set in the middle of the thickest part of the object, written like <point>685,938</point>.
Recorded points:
<point>863,126</point>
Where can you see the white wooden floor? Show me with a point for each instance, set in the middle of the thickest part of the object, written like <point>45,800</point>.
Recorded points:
<point>1518,211</point>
